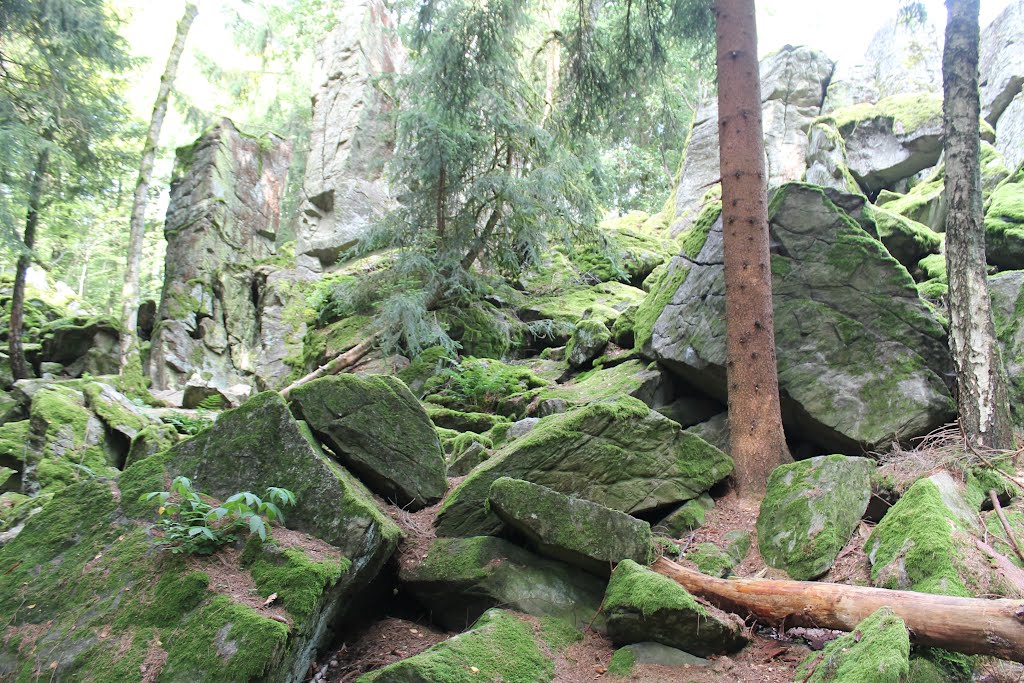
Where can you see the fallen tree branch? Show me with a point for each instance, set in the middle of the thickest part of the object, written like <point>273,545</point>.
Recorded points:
<point>1011,572</point>
<point>345,360</point>
<point>1010,536</point>
<point>968,625</point>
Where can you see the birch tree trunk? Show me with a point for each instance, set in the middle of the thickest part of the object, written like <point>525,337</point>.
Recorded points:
<point>980,377</point>
<point>130,291</point>
<point>757,443</point>
<point>19,366</point>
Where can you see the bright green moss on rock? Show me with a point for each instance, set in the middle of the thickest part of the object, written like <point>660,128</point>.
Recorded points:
<point>689,516</point>
<point>917,545</point>
<point>500,648</point>
<point>661,295</point>
<point>605,301</point>
<point>642,606</point>
<point>1004,223</point>
<point>462,421</point>
<point>376,428</point>
<point>810,511</point>
<point>559,633</point>
<point>618,454</point>
<point>712,560</point>
<point>480,384</point>
<point>102,401</point>
<point>461,578</point>
<point>910,111</point>
<point>424,366</point>
<point>631,378</point>
<point>622,662</point>
<point>628,249</point>
<point>693,240</point>
<point>483,330</point>
<point>906,240</point>
<point>299,581</point>
<point>587,342</point>
<point>878,651</point>
<point>576,531</point>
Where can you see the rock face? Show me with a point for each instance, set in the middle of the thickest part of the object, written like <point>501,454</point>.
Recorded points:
<point>793,82</point>
<point>222,219</point>
<point>576,531</point>
<point>89,347</point>
<point>352,135</point>
<point>1001,61</point>
<point>1010,132</point>
<point>1004,223</point>
<point>461,578</point>
<point>642,606</point>
<point>810,511</point>
<point>861,357</point>
<point>620,455</point>
<point>378,429</point>
<point>1007,293</point>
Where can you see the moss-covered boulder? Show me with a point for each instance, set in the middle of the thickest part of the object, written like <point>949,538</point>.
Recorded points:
<point>259,445</point>
<point>891,140</point>
<point>643,606</point>
<point>82,345</point>
<point>500,648</point>
<point>877,651</point>
<point>906,240</point>
<point>1004,223</point>
<point>719,560</point>
<point>604,301</point>
<point>460,578</point>
<point>628,656</point>
<point>378,429</point>
<point>687,517</point>
<point>118,413</point>
<point>108,606</point>
<point>150,441</point>
<point>628,248</point>
<point>462,421</point>
<point>925,542</point>
<point>635,378</point>
<point>621,455</point>
<point>861,357</point>
<point>587,342</point>
<point>810,511</point>
<point>576,531</point>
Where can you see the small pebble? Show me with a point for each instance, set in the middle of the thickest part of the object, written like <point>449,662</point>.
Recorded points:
<point>333,664</point>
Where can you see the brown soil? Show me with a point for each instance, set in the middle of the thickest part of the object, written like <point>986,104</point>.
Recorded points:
<point>384,642</point>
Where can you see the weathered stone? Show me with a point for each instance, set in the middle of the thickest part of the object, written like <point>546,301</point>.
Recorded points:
<point>150,441</point>
<point>621,455</point>
<point>198,392</point>
<point>633,378</point>
<point>642,606</point>
<point>1007,293</point>
<point>1004,223</point>
<point>587,342</point>
<point>687,517</point>
<point>223,218</point>
<point>522,427</point>
<point>117,412</point>
<point>573,530</point>
<point>877,650</point>
<point>826,159</point>
<point>500,647</point>
<point>82,346</point>
<point>464,462</point>
<point>891,140</point>
<point>862,359</point>
<point>353,132</point>
<point>656,653</point>
<point>281,314</point>
<point>378,429</point>
<point>1010,132</point>
<point>792,87</point>
<point>850,84</point>
<point>810,512</point>
<point>552,406</point>
<point>906,59</point>
<point>461,578</point>
<point>907,241</point>
<point>1001,62</point>
<point>925,541</point>
<point>715,431</point>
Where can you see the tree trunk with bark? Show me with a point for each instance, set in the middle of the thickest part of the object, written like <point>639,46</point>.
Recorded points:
<point>19,366</point>
<point>980,377</point>
<point>757,442</point>
<point>130,291</point>
<point>968,625</point>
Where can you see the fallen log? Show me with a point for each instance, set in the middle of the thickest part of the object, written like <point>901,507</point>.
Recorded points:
<point>968,625</point>
<point>342,362</point>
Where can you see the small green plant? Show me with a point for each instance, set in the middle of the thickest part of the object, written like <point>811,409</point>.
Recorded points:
<point>188,425</point>
<point>212,402</point>
<point>191,524</point>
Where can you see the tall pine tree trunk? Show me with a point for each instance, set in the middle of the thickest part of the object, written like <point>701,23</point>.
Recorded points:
<point>980,377</point>
<point>756,441</point>
<point>130,363</point>
<point>19,366</point>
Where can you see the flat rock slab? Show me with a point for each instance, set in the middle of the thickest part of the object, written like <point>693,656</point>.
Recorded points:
<point>576,531</point>
<point>643,606</point>
<point>461,578</point>
<point>662,655</point>
<point>621,455</point>
<point>378,429</point>
<point>810,511</point>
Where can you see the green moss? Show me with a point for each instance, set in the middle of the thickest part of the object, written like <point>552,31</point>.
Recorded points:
<point>321,344</point>
<point>712,560</point>
<point>913,546</point>
<point>628,248</point>
<point>112,413</point>
<point>1004,217</point>
<point>693,240</point>
<point>457,559</point>
<point>909,111</point>
<point>907,240</point>
<point>224,642</point>
<point>600,384</point>
<point>478,385</point>
<point>588,335</point>
<point>298,581</point>
<point>14,440</point>
<point>466,439</point>
<point>483,330</point>
<point>661,296</point>
<point>499,648</point>
<point>634,587</point>
<point>424,366</point>
<point>462,421</point>
<point>878,651</point>
<point>622,662</point>
<point>559,633</point>
<point>604,301</point>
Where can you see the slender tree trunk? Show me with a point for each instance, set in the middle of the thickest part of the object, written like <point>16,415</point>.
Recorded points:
<point>130,292</point>
<point>980,377</point>
<point>19,366</point>
<point>757,442</point>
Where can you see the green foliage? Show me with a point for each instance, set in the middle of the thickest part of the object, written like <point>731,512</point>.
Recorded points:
<point>478,384</point>
<point>187,424</point>
<point>212,402</point>
<point>192,525</point>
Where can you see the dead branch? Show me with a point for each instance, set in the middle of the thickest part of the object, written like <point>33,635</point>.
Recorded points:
<point>968,625</point>
<point>342,362</point>
<point>1010,536</point>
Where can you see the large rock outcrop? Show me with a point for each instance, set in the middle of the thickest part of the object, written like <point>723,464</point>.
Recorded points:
<point>862,358</point>
<point>352,133</point>
<point>793,83</point>
<point>222,221</point>
<point>1001,61</point>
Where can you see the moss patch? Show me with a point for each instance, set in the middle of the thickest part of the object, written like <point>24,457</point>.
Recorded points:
<point>878,651</point>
